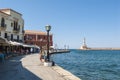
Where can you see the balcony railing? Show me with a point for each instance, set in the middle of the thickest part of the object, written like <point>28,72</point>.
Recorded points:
<point>16,30</point>
<point>3,27</point>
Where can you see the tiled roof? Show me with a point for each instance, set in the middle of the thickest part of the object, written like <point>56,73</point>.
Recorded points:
<point>4,13</point>
<point>35,32</point>
<point>6,9</point>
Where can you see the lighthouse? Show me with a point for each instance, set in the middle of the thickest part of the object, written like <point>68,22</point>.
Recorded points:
<point>84,46</point>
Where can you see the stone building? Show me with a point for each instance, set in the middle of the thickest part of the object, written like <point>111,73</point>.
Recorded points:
<point>11,25</point>
<point>38,38</point>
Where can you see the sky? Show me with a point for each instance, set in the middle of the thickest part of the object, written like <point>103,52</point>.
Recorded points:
<point>72,20</point>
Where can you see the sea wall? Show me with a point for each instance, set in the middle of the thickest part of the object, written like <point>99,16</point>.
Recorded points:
<point>101,49</point>
<point>65,74</point>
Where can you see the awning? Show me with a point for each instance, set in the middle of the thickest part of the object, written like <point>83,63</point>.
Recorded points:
<point>37,46</point>
<point>22,44</point>
<point>30,46</point>
<point>3,41</point>
<point>25,45</point>
<point>15,43</point>
<point>51,47</point>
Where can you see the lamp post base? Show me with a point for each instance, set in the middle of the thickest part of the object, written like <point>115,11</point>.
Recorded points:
<point>48,64</point>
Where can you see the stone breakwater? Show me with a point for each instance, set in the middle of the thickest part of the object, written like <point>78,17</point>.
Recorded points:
<point>101,49</point>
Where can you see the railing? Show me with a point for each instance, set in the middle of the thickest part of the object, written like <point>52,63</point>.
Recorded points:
<point>3,27</point>
<point>16,30</point>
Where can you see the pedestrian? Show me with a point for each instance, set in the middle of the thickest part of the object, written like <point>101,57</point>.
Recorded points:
<point>41,54</point>
<point>2,56</point>
<point>31,50</point>
<point>27,51</point>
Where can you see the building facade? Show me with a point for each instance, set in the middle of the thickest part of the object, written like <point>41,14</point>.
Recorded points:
<point>11,25</point>
<point>37,38</point>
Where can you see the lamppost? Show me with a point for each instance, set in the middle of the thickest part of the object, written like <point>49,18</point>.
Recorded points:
<point>48,28</point>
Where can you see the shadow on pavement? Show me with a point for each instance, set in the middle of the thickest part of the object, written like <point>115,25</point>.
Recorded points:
<point>12,69</point>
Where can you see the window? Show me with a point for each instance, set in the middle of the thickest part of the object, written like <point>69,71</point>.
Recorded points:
<point>17,38</point>
<point>11,24</point>
<point>15,25</point>
<point>44,37</point>
<point>12,37</point>
<point>39,37</point>
<point>5,35</point>
<point>2,22</point>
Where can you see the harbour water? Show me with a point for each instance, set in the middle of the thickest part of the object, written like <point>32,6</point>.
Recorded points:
<point>91,64</point>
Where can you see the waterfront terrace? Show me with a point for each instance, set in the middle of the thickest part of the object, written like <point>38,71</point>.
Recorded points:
<point>29,67</point>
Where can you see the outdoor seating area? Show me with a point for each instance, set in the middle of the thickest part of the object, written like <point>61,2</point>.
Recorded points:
<point>12,51</point>
<point>12,48</point>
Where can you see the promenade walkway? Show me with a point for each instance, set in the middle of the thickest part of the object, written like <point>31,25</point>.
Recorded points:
<point>29,67</point>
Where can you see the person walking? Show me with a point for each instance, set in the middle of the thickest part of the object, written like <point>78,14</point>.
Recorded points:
<point>41,54</point>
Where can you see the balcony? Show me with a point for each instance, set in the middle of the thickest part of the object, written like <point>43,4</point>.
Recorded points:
<point>16,30</point>
<point>3,27</point>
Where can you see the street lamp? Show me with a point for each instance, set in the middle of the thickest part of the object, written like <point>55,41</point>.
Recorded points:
<point>48,28</point>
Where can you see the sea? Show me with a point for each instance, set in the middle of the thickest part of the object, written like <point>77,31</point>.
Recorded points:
<point>91,64</point>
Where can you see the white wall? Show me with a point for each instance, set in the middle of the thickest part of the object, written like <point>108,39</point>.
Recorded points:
<point>10,18</point>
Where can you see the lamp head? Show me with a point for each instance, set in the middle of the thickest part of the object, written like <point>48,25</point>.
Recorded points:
<point>48,27</point>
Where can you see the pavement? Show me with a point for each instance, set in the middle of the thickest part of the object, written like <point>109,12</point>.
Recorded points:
<point>29,67</point>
